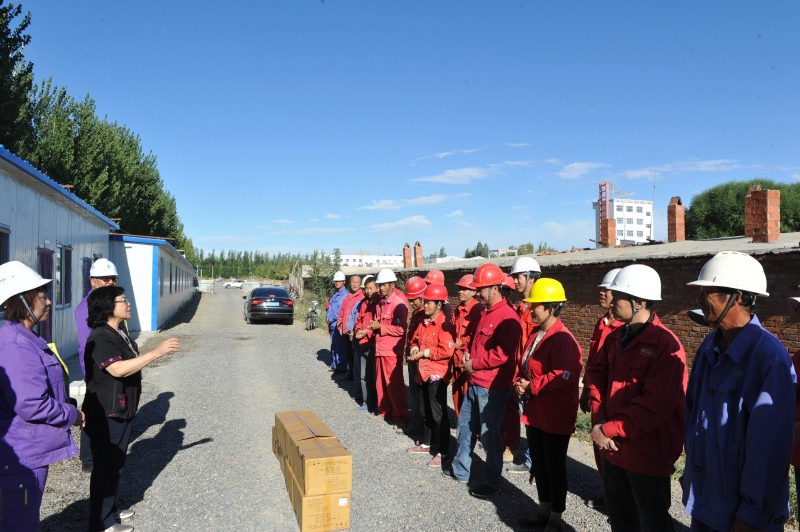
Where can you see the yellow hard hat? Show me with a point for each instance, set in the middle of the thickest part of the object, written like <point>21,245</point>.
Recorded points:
<point>546,291</point>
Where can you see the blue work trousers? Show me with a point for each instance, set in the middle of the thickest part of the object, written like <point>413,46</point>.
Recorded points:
<point>338,351</point>
<point>481,413</point>
<point>21,500</point>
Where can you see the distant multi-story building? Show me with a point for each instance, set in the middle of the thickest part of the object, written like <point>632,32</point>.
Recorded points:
<point>634,220</point>
<point>366,260</point>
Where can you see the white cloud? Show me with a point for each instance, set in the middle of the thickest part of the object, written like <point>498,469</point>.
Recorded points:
<point>380,205</point>
<point>411,221</point>
<point>552,161</point>
<point>577,170</point>
<point>322,230</point>
<point>454,214</point>
<point>313,219</point>
<point>385,204</point>
<point>443,154</point>
<point>460,176</point>
<point>517,144</point>
<point>692,165</point>
<point>332,216</point>
<point>283,221</point>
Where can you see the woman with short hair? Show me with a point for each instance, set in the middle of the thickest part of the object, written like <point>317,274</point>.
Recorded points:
<point>113,388</point>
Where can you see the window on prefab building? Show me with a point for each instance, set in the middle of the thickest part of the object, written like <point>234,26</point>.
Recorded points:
<point>620,221</point>
<point>4,244</point>
<point>630,233</point>
<point>629,208</point>
<point>63,260</point>
<point>639,221</point>
<point>630,221</point>
<point>647,213</point>
<point>161,277</point>
<point>86,268</point>
<point>619,232</point>
<point>170,277</point>
<point>647,226</point>
<point>619,208</point>
<point>639,209</point>
<point>639,233</point>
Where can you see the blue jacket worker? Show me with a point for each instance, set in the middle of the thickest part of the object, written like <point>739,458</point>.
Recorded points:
<point>740,407</point>
<point>35,415</point>
<point>338,346</point>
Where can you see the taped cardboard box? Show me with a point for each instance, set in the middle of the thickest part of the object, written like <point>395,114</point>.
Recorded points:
<point>322,466</point>
<point>318,513</point>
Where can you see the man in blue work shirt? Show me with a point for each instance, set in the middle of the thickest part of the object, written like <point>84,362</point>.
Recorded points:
<point>740,407</point>
<point>338,346</point>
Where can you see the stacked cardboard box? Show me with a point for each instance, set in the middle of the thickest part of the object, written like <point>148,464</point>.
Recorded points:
<point>317,468</point>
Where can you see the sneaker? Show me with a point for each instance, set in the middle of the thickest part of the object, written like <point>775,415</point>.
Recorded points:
<point>448,473</point>
<point>420,449</point>
<point>436,461</point>
<point>597,504</point>
<point>517,468</point>
<point>401,425</point>
<point>508,456</point>
<point>125,514</point>
<point>361,407</point>
<point>484,492</point>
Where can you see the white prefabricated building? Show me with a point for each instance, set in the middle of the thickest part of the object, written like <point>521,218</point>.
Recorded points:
<point>50,229</point>
<point>157,279</point>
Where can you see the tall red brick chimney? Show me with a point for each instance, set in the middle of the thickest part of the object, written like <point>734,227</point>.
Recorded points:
<point>762,214</point>
<point>408,259</point>
<point>608,232</point>
<point>419,258</point>
<point>676,226</point>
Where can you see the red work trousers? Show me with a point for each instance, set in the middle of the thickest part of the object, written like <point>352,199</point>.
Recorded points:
<point>460,385</point>
<point>510,428</point>
<point>392,402</point>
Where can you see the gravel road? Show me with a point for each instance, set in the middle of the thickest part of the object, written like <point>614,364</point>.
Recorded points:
<point>201,457</point>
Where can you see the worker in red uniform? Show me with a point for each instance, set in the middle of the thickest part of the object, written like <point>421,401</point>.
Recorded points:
<point>432,348</point>
<point>637,396</point>
<point>465,318</point>
<point>524,274</point>
<point>549,379</point>
<point>415,287</point>
<point>350,300</point>
<point>389,326</point>
<point>604,326</point>
<point>437,277</point>
<point>489,362</point>
<point>365,336</point>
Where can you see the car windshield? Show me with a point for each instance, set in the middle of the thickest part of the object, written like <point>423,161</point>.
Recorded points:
<point>268,292</point>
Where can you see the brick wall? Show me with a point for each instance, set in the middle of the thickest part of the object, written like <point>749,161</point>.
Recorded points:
<point>419,258</point>
<point>408,259</point>
<point>762,214</point>
<point>582,311</point>
<point>676,222</point>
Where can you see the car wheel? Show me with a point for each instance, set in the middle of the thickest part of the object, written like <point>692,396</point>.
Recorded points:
<point>290,321</point>
<point>248,320</point>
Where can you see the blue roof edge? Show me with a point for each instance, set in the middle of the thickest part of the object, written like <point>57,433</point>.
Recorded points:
<point>29,169</point>
<point>154,241</point>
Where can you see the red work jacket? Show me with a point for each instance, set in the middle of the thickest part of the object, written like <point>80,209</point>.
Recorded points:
<point>365,316</point>
<point>796,451</point>
<point>465,319</point>
<point>417,317</point>
<point>555,373</point>
<point>601,332</point>
<point>524,312</point>
<point>392,313</point>
<point>640,392</point>
<point>349,302</point>
<point>436,335</point>
<point>494,346</point>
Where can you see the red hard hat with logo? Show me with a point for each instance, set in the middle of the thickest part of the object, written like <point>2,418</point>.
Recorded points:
<point>488,275</point>
<point>435,292</point>
<point>465,281</point>
<point>435,276</point>
<point>509,282</point>
<point>415,286</point>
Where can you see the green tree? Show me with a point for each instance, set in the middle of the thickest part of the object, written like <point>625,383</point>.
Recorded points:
<point>442,253</point>
<point>480,250</point>
<point>16,77</point>
<point>719,211</point>
<point>544,247</point>
<point>525,249</point>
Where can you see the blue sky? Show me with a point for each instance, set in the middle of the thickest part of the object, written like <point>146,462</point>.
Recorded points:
<point>294,125</point>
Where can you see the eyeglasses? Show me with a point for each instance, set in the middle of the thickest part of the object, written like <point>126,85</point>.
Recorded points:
<point>107,279</point>
<point>123,300</point>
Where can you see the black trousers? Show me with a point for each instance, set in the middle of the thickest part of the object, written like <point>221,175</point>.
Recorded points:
<point>86,449</point>
<point>349,353</point>
<point>549,466</point>
<point>635,501</point>
<point>418,412</point>
<point>369,391</point>
<point>433,399</point>
<point>109,441</point>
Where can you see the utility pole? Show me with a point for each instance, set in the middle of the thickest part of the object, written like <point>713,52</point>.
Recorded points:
<point>653,217</point>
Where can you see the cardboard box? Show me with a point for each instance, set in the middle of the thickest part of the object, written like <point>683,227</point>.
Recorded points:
<point>318,513</point>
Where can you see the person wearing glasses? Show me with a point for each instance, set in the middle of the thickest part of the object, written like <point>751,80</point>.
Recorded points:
<point>35,413</point>
<point>102,273</point>
<point>113,388</point>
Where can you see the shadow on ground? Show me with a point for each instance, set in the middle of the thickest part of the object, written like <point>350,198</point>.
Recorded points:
<point>185,313</point>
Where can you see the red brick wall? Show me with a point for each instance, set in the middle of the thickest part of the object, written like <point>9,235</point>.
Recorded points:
<point>582,311</point>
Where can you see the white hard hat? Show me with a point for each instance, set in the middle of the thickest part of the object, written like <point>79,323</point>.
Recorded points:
<point>16,278</point>
<point>731,269</point>
<point>639,281</point>
<point>386,276</point>
<point>103,268</point>
<point>366,279</point>
<point>525,264</point>
<point>338,276</point>
<point>609,278</point>
<point>794,302</point>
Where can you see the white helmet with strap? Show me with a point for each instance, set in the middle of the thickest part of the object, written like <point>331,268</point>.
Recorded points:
<point>731,269</point>
<point>639,281</point>
<point>338,276</point>
<point>16,278</point>
<point>386,276</point>
<point>609,278</point>
<point>103,268</point>
<point>525,264</point>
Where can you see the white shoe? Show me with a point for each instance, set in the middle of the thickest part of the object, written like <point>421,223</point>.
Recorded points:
<point>125,514</point>
<point>116,527</point>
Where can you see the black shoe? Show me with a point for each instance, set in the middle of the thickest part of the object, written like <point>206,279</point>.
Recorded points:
<point>539,521</point>
<point>86,467</point>
<point>517,468</point>
<point>339,372</point>
<point>448,473</point>
<point>483,492</point>
<point>597,504</point>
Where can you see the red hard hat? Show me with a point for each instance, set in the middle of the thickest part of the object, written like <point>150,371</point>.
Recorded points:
<point>509,282</point>
<point>414,287</point>
<point>464,281</point>
<point>435,276</point>
<point>488,275</point>
<point>435,292</point>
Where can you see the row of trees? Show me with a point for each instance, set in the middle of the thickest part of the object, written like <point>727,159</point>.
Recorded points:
<point>65,138</point>
<point>482,250</point>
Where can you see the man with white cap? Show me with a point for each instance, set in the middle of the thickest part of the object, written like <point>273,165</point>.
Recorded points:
<point>102,273</point>
<point>637,395</point>
<point>740,407</point>
<point>338,347</point>
<point>604,326</point>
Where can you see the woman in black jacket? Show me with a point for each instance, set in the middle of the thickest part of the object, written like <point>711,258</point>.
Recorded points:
<point>113,387</point>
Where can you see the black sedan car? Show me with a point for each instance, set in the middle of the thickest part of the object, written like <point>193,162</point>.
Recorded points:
<point>271,302</point>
